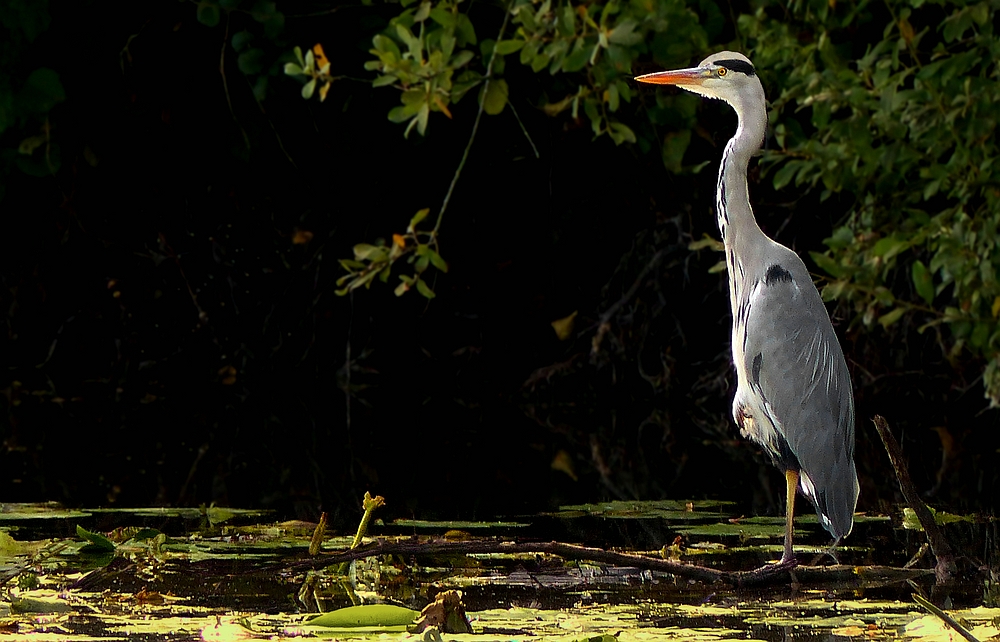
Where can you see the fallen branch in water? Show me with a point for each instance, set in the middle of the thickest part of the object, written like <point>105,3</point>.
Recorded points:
<point>762,576</point>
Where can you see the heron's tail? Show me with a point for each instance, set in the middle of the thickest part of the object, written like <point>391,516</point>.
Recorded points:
<point>835,497</point>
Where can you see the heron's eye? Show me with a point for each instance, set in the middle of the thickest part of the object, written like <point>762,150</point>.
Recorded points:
<point>722,71</point>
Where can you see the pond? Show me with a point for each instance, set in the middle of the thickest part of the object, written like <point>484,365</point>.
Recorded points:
<point>214,573</point>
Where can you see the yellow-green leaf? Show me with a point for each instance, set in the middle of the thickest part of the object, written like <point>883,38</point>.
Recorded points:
<point>889,318</point>
<point>96,539</point>
<point>495,96</point>
<point>366,615</point>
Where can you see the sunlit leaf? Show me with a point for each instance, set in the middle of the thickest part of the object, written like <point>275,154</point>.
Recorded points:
<point>891,317</point>
<point>368,615</point>
<point>621,133</point>
<point>308,89</point>
<point>424,289</point>
<point>418,217</point>
<point>98,541</point>
<point>564,326</point>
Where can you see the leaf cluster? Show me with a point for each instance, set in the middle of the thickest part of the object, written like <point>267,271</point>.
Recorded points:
<point>419,248</point>
<point>901,125</point>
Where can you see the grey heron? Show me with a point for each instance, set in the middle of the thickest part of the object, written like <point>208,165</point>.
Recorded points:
<point>793,393</point>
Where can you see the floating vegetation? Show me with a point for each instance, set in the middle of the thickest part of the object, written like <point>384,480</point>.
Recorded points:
<point>178,575</point>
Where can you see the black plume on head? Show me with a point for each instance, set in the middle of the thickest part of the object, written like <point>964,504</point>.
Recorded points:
<point>737,65</point>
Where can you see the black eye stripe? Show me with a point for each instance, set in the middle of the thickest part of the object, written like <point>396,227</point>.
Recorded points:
<point>737,65</point>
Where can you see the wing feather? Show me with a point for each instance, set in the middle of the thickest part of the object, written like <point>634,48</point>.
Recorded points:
<point>804,381</point>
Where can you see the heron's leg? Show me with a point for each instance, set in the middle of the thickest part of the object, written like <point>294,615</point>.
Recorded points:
<point>791,483</point>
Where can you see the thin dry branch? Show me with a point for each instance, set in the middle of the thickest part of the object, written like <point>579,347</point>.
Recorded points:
<point>944,570</point>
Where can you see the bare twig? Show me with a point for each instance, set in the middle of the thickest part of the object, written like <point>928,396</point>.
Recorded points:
<point>604,323</point>
<point>475,125</point>
<point>524,130</point>
<point>225,83</point>
<point>944,571</point>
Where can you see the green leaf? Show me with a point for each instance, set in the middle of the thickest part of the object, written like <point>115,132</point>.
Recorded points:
<point>98,541</point>
<point>368,252</point>
<point>495,96</point>
<point>423,11</point>
<point>889,247</point>
<point>578,57</point>
<point>674,146</point>
<point>251,61</point>
<point>505,47</point>
<point>308,89</point>
<point>422,117</point>
<point>891,317</point>
<point>464,30</point>
<point>241,39</point>
<point>382,81</point>
<point>402,113</point>
<point>42,91</point>
<point>263,10</point>
<point>292,69</point>
<point>425,289</point>
<point>436,260</point>
<point>620,133</point>
<point>462,58</point>
<point>922,281</point>
<point>385,44</point>
<point>624,33</point>
<point>366,615</point>
<point>613,97</point>
<point>418,217</point>
<point>412,42</point>
<point>208,14</point>
<point>827,264</point>
<point>786,173</point>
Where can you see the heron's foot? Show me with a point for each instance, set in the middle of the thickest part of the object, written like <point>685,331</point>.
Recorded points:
<point>786,563</point>
<point>774,568</point>
<point>765,573</point>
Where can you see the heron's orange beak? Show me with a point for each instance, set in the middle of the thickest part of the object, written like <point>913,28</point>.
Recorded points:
<point>679,77</point>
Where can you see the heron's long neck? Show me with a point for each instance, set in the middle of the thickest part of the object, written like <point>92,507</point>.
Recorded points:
<point>736,221</point>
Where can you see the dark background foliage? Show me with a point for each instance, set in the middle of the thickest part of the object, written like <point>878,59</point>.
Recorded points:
<point>169,248</point>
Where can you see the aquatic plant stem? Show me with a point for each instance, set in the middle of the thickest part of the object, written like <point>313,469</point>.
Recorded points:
<point>369,504</point>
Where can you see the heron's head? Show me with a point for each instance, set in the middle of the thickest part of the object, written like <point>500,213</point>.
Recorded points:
<point>726,75</point>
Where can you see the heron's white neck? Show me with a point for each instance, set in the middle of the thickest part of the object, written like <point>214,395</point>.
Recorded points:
<point>736,221</point>
<point>740,232</point>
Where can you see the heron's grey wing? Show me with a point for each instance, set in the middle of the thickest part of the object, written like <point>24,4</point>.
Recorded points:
<point>794,360</point>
